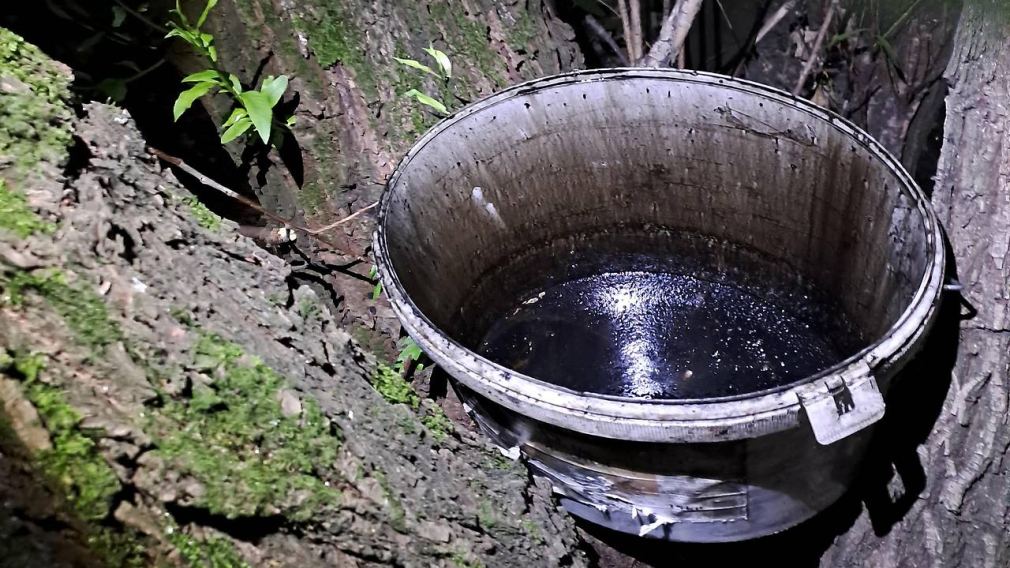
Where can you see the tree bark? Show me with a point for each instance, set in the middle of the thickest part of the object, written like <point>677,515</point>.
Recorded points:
<point>353,120</point>
<point>189,402</point>
<point>962,516</point>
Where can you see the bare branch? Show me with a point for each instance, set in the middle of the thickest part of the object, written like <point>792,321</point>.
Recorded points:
<point>773,20</point>
<point>342,221</point>
<point>636,28</point>
<point>622,11</point>
<point>593,25</point>
<point>673,33</point>
<point>286,223</point>
<point>815,51</point>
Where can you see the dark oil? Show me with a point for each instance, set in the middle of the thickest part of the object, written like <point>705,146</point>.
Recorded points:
<point>654,334</point>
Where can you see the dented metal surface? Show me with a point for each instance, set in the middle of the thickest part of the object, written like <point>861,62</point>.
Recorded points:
<point>648,158</point>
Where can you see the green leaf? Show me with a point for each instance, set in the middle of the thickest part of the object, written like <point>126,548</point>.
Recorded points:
<point>187,97</point>
<point>377,291</point>
<point>212,53</point>
<point>236,114</point>
<point>206,11</point>
<point>416,65</point>
<point>208,75</point>
<point>426,100</point>
<point>118,15</point>
<point>260,112</point>
<point>115,89</point>
<point>291,121</point>
<point>274,87</point>
<point>235,83</point>
<point>180,33</point>
<point>235,130</point>
<point>442,59</point>
<point>409,351</point>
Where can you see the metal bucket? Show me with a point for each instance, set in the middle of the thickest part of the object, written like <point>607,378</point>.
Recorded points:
<point>730,173</point>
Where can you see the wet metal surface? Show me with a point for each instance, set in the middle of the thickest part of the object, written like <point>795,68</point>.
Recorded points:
<point>661,335</point>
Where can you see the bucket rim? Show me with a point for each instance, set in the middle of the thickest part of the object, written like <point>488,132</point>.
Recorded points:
<point>664,420</point>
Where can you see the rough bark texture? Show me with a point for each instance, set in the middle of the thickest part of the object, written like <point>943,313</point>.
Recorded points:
<point>183,395</point>
<point>353,120</point>
<point>962,516</point>
<point>881,69</point>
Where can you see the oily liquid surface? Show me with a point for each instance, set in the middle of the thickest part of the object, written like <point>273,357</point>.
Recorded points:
<point>662,335</point>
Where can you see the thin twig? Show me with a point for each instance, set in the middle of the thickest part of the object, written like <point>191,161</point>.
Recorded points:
<point>725,16</point>
<point>288,223</point>
<point>673,33</point>
<point>773,20</point>
<point>622,10</point>
<point>607,5</point>
<point>593,25</point>
<point>816,49</point>
<point>342,221</point>
<point>636,28</point>
<point>141,17</point>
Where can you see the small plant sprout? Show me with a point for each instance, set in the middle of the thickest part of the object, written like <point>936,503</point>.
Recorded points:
<point>409,351</point>
<point>253,108</point>
<point>373,275</point>
<point>444,73</point>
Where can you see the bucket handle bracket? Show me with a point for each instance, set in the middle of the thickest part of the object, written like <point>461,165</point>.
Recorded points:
<point>842,406</point>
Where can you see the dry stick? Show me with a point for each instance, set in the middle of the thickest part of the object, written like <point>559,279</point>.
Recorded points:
<point>773,20</point>
<point>622,11</point>
<point>636,28</point>
<point>594,26</point>
<point>314,233</point>
<point>342,221</point>
<point>815,51</point>
<point>769,24</point>
<point>673,33</point>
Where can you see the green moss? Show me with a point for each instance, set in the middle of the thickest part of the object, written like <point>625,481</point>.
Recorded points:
<point>17,218</point>
<point>334,37</point>
<point>497,461</point>
<point>233,438</point>
<point>308,308</point>
<point>462,560</point>
<point>127,549</point>
<point>397,514</point>
<point>467,41</point>
<point>82,309</point>
<point>74,465</point>
<point>312,197</point>
<point>212,552</point>
<point>393,387</point>
<point>34,107</point>
<point>73,462</point>
<point>204,217</point>
<point>522,33</point>
<point>532,529</point>
<point>437,423</point>
<point>486,515</point>
<point>182,316</point>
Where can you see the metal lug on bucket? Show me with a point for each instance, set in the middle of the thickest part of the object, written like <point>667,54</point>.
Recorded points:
<point>842,407</point>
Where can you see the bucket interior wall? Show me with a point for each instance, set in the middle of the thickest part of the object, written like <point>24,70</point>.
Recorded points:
<point>717,172</point>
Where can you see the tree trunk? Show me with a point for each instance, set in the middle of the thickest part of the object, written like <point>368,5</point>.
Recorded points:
<point>353,120</point>
<point>962,516</point>
<point>179,397</point>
